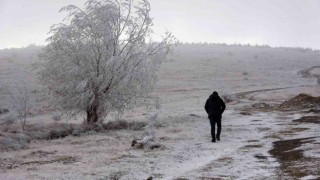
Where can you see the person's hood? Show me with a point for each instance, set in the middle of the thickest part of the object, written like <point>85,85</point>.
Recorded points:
<point>214,97</point>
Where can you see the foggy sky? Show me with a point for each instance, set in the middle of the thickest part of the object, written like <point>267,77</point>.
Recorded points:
<point>293,23</point>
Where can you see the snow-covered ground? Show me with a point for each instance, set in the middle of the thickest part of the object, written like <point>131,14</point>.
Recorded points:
<point>193,72</point>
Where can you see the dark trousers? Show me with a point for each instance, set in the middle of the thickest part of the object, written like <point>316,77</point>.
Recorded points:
<point>213,121</point>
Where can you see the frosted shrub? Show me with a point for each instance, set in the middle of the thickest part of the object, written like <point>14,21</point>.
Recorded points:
<point>245,74</point>
<point>124,124</point>
<point>22,138</point>
<point>4,111</point>
<point>78,131</point>
<point>14,141</point>
<point>20,100</point>
<point>56,116</point>
<point>150,130</point>
<point>8,119</point>
<point>228,98</point>
<point>10,143</point>
<point>149,136</point>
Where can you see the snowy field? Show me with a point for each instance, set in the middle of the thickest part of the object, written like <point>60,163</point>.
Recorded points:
<point>252,139</point>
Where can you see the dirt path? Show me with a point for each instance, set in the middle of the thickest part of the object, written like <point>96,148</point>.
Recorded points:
<point>242,152</point>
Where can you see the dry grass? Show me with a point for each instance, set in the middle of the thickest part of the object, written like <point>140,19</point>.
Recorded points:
<point>14,141</point>
<point>3,111</point>
<point>256,120</point>
<point>8,118</point>
<point>41,153</point>
<point>245,113</point>
<point>12,138</point>
<point>252,141</point>
<point>114,176</point>
<point>174,130</point>
<point>181,178</point>
<point>263,129</point>
<point>60,159</point>
<point>308,119</point>
<point>10,163</point>
<point>260,156</point>
<point>124,124</point>
<point>247,147</point>
<point>212,178</point>
<point>293,131</point>
<point>274,136</point>
<point>224,161</point>
<point>301,101</point>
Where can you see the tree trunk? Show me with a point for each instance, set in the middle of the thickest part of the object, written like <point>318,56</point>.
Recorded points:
<point>92,114</point>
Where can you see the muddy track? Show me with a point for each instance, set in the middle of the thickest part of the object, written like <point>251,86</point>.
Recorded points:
<point>307,72</point>
<point>292,159</point>
<point>242,95</point>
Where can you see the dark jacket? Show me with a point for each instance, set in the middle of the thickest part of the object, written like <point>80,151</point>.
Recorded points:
<point>215,105</point>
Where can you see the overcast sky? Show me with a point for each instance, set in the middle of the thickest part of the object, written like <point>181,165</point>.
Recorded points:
<point>294,23</point>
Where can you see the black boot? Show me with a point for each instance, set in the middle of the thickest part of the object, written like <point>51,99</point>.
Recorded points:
<point>218,138</point>
<point>213,140</point>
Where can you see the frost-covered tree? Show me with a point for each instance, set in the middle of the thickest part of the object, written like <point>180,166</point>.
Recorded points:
<point>102,58</point>
<point>20,100</point>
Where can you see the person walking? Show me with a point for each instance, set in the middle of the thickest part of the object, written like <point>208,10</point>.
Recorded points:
<point>215,107</point>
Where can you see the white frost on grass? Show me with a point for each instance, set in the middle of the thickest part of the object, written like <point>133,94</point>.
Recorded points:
<point>311,150</point>
<point>310,177</point>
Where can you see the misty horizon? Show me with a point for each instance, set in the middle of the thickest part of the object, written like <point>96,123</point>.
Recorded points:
<point>272,23</point>
<point>33,45</point>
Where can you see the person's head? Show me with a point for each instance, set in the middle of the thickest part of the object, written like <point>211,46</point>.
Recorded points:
<point>215,93</point>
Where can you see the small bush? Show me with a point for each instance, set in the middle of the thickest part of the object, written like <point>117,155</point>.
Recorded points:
<point>123,124</point>
<point>52,131</point>
<point>39,135</point>
<point>96,127</point>
<point>8,119</point>
<point>137,126</point>
<point>59,133</point>
<point>56,116</point>
<point>23,138</point>
<point>4,111</point>
<point>14,141</point>
<point>261,105</point>
<point>228,98</point>
<point>116,125</point>
<point>78,131</point>
<point>9,143</point>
